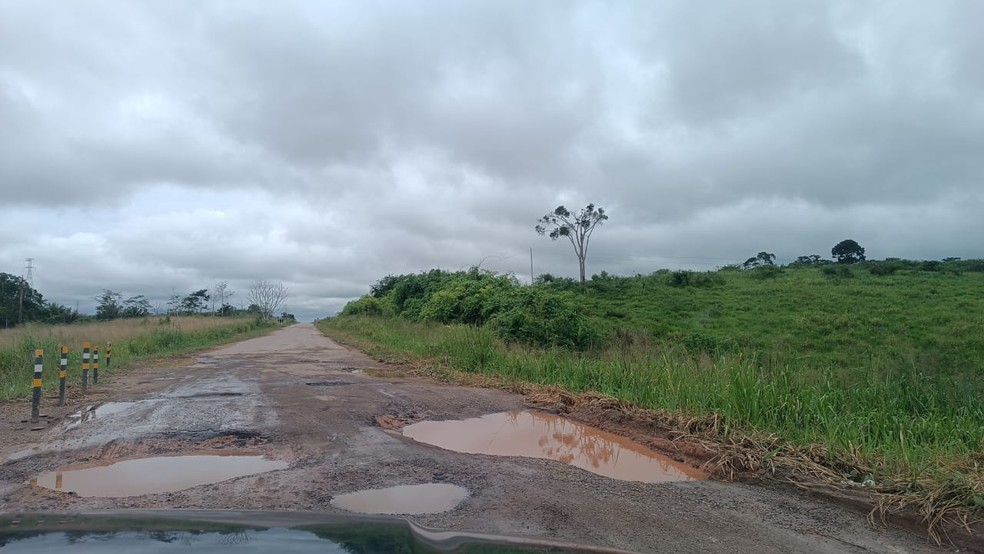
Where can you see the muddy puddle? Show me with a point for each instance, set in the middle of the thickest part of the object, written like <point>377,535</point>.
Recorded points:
<point>102,411</point>
<point>541,435</point>
<point>154,475</point>
<point>429,498</point>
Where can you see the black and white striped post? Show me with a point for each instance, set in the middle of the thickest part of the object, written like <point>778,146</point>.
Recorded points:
<point>95,365</point>
<point>85,366</point>
<point>36,397</point>
<point>62,373</point>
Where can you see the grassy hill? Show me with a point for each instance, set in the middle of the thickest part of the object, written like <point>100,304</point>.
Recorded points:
<point>879,365</point>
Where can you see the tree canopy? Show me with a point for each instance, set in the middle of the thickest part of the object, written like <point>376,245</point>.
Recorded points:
<point>576,227</point>
<point>847,251</point>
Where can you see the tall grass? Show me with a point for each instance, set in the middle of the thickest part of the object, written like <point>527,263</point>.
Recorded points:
<point>901,421</point>
<point>133,339</point>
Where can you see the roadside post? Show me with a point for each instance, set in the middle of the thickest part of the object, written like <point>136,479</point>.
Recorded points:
<point>85,366</point>
<point>109,354</point>
<point>95,365</point>
<point>36,397</point>
<point>62,373</point>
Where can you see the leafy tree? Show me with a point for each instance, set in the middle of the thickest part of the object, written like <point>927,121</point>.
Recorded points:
<point>577,228</point>
<point>847,252</point>
<point>136,306</point>
<point>761,259</point>
<point>57,313</point>
<point>195,302</point>
<point>109,305</point>
<point>808,261</point>
<point>13,306</point>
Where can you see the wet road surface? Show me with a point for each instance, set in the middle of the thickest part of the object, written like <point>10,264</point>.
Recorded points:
<point>308,405</point>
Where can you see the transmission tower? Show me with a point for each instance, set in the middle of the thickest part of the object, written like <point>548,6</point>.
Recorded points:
<point>29,271</point>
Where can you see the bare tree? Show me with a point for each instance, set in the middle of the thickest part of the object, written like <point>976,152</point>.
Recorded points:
<point>222,293</point>
<point>267,296</point>
<point>577,227</point>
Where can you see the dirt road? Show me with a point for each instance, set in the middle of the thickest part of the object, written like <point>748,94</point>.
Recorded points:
<point>301,399</point>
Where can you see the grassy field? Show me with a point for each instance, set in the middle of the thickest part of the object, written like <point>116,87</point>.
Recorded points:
<point>880,377</point>
<point>132,339</point>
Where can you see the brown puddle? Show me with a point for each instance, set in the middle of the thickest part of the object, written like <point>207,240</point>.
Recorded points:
<point>430,498</point>
<point>541,435</point>
<point>155,475</point>
<point>97,411</point>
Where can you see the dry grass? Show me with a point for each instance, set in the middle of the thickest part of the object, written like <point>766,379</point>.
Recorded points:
<point>133,340</point>
<point>101,332</point>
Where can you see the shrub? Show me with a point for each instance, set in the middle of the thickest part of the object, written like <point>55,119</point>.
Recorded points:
<point>545,318</point>
<point>837,271</point>
<point>367,305</point>
<point>766,272</point>
<point>693,279</point>
<point>888,267</point>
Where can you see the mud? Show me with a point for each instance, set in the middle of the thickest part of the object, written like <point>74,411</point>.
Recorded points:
<point>541,435</point>
<point>252,398</point>
<point>428,498</point>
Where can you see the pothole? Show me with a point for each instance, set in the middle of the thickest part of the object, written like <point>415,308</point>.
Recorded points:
<point>155,475</point>
<point>329,383</point>
<point>208,395</point>
<point>429,498</point>
<point>541,435</point>
<point>104,410</point>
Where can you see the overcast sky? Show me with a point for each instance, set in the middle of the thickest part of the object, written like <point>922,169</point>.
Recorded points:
<point>159,146</point>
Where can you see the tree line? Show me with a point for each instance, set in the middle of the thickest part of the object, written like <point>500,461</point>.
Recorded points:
<point>21,303</point>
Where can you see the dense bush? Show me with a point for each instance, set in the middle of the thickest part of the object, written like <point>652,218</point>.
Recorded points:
<point>837,271</point>
<point>694,279</point>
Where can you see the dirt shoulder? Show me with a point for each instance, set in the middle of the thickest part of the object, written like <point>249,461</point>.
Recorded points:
<point>298,397</point>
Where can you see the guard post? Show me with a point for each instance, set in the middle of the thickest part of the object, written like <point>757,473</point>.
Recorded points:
<point>95,365</point>
<point>109,354</point>
<point>36,397</point>
<point>86,346</point>
<point>62,373</point>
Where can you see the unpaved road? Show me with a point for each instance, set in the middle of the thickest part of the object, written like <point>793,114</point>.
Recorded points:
<point>254,397</point>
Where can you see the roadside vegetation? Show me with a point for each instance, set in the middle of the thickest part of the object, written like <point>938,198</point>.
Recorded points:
<point>871,371</point>
<point>133,340</point>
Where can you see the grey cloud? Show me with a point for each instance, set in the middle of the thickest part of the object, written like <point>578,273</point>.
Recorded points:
<point>327,144</point>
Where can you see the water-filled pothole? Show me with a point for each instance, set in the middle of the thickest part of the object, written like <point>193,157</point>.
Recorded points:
<point>429,498</point>
<point>99,411</point>
<point>541,435</point>
<point>155,475</point>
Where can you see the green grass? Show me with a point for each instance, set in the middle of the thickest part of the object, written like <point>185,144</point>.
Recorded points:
<point>133,341</point>
<point>884,371</point>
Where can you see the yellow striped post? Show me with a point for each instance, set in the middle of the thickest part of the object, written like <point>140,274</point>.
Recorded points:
<point>109,354</point>
<point>95,364</point>
<point>36,398</point>
<point>86,346</point>
<point>62,373</point>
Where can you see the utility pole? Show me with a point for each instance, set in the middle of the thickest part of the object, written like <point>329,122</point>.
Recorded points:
<point>531,266</point>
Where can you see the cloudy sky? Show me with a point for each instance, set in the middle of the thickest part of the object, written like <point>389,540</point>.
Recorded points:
<point>159,146</point>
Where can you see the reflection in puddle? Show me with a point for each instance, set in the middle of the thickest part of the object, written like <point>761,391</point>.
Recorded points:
<point>155,475</point>
<point>541,435</point>
<point>430,498</point>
